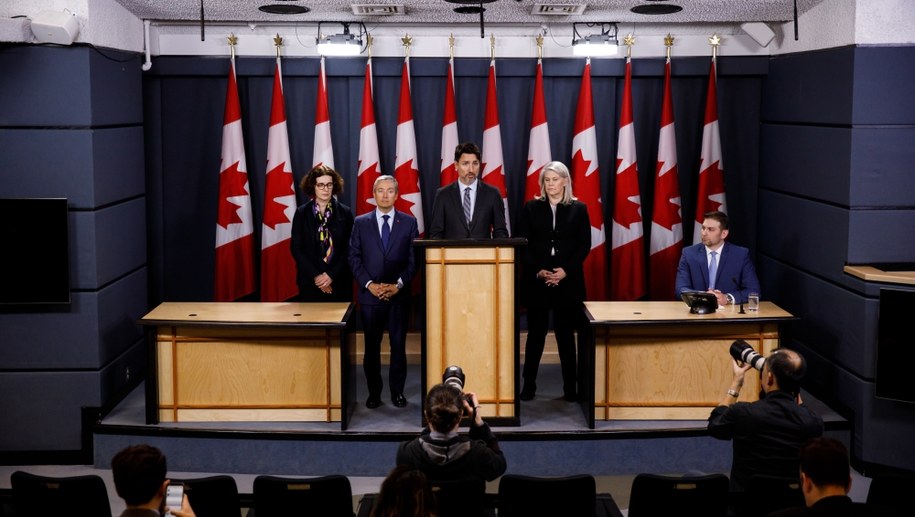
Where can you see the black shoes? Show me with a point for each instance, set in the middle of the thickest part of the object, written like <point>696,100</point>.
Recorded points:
<point>373,402</point>
<point>399,400</point>
<point>527,392</point>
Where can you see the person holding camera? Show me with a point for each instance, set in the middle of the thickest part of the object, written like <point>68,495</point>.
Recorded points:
<point>767,434</point>
<point>139,479</point>
<point>443,454</point>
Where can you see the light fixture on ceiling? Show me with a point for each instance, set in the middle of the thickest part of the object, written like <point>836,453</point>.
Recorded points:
<point>343,44</point>
<point>601,44</point>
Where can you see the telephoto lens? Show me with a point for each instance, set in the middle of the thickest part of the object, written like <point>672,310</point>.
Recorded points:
<point>742,351</point>
<point>454,376</point>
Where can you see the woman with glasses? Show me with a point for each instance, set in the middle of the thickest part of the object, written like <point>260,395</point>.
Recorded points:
<point>320,239</point>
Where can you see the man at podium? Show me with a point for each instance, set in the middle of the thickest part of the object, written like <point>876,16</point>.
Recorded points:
<point>468,208</point>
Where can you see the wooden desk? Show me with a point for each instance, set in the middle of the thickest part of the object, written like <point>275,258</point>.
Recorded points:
<point>656,361</point>
<point>250,362</point>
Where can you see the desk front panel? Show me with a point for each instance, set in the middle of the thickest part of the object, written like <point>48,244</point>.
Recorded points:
<point>248,374</point>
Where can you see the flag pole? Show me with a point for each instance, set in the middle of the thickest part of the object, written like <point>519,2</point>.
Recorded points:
<point>278,42</point>
<point>668,42</point>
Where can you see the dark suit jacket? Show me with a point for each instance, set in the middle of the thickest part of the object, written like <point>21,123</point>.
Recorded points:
<point>487,221</point>
<point>572,241</point>
<point>369,260</point>
<point>308,252</point>
<point>736,274</point>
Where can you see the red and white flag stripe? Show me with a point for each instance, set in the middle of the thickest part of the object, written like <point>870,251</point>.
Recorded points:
<point>277,266</point>
<point>449,131</point>
<point>627,256</point>
<point>666,222</point>
<point>492,166</point>
<point>585,173</point>
<point>406,168</point>
<point>234,272</point>
<point>711,167</point>
<point>323,147</point>
<point>369,161</point>
<point>538,151</point>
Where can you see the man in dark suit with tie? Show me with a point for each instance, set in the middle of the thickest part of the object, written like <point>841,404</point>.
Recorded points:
<point>381,257</point>
<point>712,266</point>
<point>468,208</point>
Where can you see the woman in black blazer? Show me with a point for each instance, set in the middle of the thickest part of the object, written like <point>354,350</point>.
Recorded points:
<point>320,239</point>
<point>558,233</point>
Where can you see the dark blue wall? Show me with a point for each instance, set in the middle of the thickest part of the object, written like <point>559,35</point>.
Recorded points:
<point>71,126</point>
<point>836,188</point>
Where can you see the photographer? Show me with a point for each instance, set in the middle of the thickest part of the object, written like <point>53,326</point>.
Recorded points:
<point>440,452</point>
<point>768,433</point>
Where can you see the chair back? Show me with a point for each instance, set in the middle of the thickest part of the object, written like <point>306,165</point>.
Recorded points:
<point>527,496</point>
<point>765,494</point>
<point>47,496</point>
<point>891,491</point>
<point>212,496</point>
<point>326,496</point>
<point>460,497</point>
<point>683,496</point>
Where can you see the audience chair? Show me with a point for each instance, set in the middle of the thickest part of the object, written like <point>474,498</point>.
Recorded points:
<point>327,496</point>
<point>684,496</point>
<point>765,494</point>
<point>460,497</point>
<point>892,491</point>
<point>533,496</point>
<point>47,496</point>
<point>213,496</point>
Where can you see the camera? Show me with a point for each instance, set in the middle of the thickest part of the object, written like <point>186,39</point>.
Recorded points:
<point>454,376</point>
<point>741,351</point>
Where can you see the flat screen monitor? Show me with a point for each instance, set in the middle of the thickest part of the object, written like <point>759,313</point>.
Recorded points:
<point>895,345</point>
<point>34,264</point>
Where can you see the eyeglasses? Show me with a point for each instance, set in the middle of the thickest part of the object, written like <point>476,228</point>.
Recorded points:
<point>324,186</point>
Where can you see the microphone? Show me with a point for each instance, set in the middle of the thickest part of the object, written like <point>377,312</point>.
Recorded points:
<point>739,288</point>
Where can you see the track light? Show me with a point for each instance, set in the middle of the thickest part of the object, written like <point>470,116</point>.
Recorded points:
<point>601,44</point>
<point>345,44</point>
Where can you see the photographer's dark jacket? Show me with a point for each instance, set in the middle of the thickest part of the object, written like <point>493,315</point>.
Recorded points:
<point>476,455</point>
<point>767,435</point>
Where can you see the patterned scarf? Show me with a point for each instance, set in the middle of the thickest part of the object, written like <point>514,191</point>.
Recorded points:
<point>324,230</point>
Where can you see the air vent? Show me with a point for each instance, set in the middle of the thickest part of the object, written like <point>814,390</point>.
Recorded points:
<point>379,9</point>
<point>558,9</point>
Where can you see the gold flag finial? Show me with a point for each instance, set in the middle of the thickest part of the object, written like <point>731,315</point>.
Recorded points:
<point>407,41</point>
<point>233,40</point>
<point>668,42</point>
<point>278,42</point>
<point>540,46</point>
<point>629,41</point>
<point>368,43</point>
<point>714,41</point>
<point>492,46</point>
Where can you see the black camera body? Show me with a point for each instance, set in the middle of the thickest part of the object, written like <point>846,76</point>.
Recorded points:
<point>454,376</point>
<point>742,351</point>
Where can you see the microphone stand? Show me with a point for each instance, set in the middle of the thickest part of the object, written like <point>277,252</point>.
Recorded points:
<point>739,288</point>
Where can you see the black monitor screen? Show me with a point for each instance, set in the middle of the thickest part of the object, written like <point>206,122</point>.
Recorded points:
<point>34,264</point>
<point>894,345</point>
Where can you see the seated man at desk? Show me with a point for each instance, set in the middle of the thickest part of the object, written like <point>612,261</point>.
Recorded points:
<point>716,267</point>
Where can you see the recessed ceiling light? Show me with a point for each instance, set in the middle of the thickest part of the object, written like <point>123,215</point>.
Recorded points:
<point>656,9</point>
<point>284,9</point>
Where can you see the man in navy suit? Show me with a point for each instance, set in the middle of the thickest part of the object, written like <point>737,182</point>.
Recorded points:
<point>735,276</point>
<point>381,257</point>
<point>467,208</point>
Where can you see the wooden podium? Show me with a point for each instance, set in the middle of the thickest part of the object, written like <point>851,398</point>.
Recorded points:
<point>471,320</point>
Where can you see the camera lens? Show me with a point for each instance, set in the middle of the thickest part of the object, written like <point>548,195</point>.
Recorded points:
<point>454,376</point>
<point>742,351</point>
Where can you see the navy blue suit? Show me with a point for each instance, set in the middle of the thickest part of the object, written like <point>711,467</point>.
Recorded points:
<point>736,274</point>
<point>487,220</point>
<point>369,261</point>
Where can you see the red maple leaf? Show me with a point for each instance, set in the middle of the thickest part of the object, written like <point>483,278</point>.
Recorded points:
<point>666,212</point>
<point>711,181</point>
<point>275,185</point>
<point>231,184</point>
<point>626,211</point>
<point>588,193</point>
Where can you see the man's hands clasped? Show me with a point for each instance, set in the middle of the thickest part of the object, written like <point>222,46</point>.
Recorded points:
<point>383,291</point>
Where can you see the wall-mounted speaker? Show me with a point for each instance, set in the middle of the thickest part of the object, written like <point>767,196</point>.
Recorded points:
<point>760,32</point>
<point>55,27</point>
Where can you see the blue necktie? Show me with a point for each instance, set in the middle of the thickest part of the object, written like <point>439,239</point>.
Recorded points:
<point>712,269</point>
<point>467,213</point>
<point>385,232</point>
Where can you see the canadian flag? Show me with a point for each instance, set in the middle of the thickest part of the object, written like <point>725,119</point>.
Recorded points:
<point>493,173</point>
<point>368,148</point>
<point>586,185</point>
<point>449,131</point>
<point>234,223</point>
<point>711,166</point>
<point>666,222</point>
<point>406,169</point>
<point>277,266</point>
<point>627,255</point>
<point>538,151</point>
<point>323,147</point>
